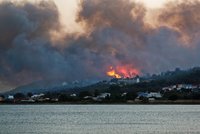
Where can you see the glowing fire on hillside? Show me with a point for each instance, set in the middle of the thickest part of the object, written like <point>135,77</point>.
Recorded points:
<point>122,72</point>
<point>112,73</point>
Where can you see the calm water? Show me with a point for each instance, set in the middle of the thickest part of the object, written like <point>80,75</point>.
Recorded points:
<point>99,119</point>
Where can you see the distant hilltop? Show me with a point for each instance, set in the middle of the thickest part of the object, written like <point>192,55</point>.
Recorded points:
<point>148,82</point>
<point>161,88</point>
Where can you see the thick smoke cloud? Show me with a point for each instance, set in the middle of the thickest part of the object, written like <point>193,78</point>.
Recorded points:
<point>117,29</point>
<point>184,18</point>
<point>115,34</point>
<point>26,53</point>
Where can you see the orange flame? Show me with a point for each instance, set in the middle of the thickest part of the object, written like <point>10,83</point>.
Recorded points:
<point>112,73</point>
<point>123,72</point>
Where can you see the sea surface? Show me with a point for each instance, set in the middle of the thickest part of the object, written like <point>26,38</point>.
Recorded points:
<point>99,119</point>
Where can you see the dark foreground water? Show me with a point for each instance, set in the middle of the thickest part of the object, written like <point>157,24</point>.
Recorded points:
<point>99,119</point>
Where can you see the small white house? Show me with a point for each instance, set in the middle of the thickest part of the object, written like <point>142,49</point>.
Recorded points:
<point>88,97</point>
<point>129,80</point>
<point>10,97</point>
<point>101,97</point>
<point>152,99</point>
<point>149,95</point>
<point>154,95</point>
<point>73,95</point>
<point>170,88</point>
<point>37,97</point>
<point>104,95</point>
<point>124,94</point>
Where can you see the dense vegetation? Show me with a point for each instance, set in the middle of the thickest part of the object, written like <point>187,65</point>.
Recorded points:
<point>153,83</point>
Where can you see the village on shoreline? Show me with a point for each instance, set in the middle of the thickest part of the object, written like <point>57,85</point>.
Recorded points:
<point>174,87</point>
<point>175,94</point>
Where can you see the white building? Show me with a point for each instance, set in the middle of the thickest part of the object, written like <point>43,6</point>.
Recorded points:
<point>154,95</point>
<point>10,97</point>
<point>104,95</point>
<point>150,95</point>
<point>124,94</point>
<point>152,99</point>
<point>73,95</point>
<point>101,97</point>
<point>88,97</point>
<point>37,97</point>
<point>137,80</point>
<point>129,80</point>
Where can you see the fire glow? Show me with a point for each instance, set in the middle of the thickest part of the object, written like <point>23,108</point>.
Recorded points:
<point>122,72</point>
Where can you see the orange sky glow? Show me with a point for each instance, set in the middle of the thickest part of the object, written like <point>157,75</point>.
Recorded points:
<point>68,10</point>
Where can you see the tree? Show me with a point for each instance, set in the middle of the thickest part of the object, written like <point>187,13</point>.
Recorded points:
<point>144,99</point>
<point>84,93</point>
<point>115,88</point>
<point>196,96</point>
<point>29,94</point>
<point>2,96</point>
<point>131,96</point>
<point>19,96</point>
<point>173,97</point>
<point>96,92</point>
<point>63,98</point>
<point>49,95</point>
<point>115,93</point>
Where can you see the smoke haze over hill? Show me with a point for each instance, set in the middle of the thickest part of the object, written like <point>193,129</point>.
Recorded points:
<point>34,46</point>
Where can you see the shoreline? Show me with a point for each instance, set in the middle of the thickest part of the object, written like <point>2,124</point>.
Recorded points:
<point>164,102</point>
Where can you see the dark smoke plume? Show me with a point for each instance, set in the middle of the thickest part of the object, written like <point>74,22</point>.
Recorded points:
<point>26,53</point>
<point>117,30</point>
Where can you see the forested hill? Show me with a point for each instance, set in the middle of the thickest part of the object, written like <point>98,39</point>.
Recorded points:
<point>156,82</point>
<point>191,76</point>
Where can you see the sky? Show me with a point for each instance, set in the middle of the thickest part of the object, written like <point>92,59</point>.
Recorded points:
<point>68,9</point>
<point>69,40</point>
